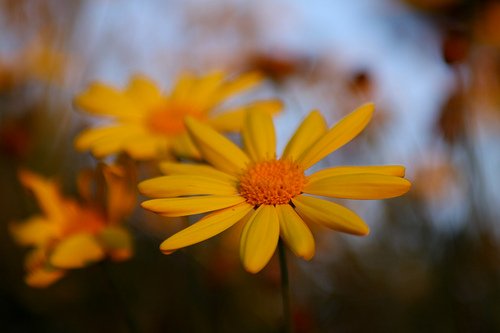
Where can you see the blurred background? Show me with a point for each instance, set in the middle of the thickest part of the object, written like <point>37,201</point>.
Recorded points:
<point>432,260</point>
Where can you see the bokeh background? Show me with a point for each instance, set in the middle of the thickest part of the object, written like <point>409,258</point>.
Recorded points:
<point>432,260</point>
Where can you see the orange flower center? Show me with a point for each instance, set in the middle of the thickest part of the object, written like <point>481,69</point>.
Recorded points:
<point>273,182</point>
<point>168,119</point>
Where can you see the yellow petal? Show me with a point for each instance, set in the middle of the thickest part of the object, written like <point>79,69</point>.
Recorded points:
<point>35,230</point>
<point>359,186</point>
<point>231,120</point>
<point>145,147</point>
<point>241,83</point>
<point>259,137</point>
<point>259,238</point>
<point>173,168</point>
<point>390,170</point>
<point>340,134</point>
<point>88,138</point>
<point>204,89</point>
<point>183,87</point>
<point>295,232</point>
<point>216,149</point>
<point>177,185</point>
<point>173,207</point>
<point>118,142</point>
<point>183,146</point>
<point>207,227</point>
<point>76,251</point>
<point>104,100</point>
<point>43,277</point>
<point>311,129</point>
<point>144,92</point>
<point>47,195</point>
<point>330,214</point>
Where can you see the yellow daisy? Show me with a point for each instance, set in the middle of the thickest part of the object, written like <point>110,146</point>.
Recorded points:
<point>274,194</point>
<point>147,124</point>
<point>71,234</point>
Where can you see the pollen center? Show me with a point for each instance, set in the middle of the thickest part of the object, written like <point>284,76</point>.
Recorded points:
<point>273,182</point>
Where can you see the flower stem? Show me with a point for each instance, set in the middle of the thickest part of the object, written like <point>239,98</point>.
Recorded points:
<point>285,289</point>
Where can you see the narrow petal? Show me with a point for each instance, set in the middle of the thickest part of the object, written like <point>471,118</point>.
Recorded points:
<point>240,84</point>
<point>207,227</point>
<point>177,185</point>
<point>259,238</point>
<point>389,170</point>
<point>183,87</point>
<point>216,149</point>
<point>330,214</point>
<point>173,168</point>
<point>173,207</point>
<point>47,195</point>
<point>232,120</point>
<point>259,137</point>
<point>145,147</point>
<point>311,129</point>
<point>144,92</point>
<point>42,277</point>
<point>183,146</point>
<point>77,251</point>
<point>340,134</point>
<point>104,100</point>
<point>295,232</point>
<point>35,230</point>
<point>359,186</point>
<point>204,89</point>
<point>87,138</point>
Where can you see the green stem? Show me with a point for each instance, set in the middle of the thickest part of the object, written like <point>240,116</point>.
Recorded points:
<point>285,289</point>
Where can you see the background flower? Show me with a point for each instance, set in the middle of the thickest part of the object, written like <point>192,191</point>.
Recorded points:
<point>151,125</point>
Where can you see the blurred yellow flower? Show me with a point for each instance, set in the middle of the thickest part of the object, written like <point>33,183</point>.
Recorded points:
<point>150,125</point>
<point>269,192</point>
<point>71,234</point>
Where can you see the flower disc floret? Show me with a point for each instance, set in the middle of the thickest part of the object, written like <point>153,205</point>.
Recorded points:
<point>273,182</point>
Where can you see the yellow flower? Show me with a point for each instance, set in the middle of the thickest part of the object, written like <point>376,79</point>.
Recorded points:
<point>150,125</point>
<point>70,234</point>
<point>274,194</point>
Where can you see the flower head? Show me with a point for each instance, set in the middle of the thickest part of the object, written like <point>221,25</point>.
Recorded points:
<point>148,125</point>
<point>275,194</point>
<point>69,234</point>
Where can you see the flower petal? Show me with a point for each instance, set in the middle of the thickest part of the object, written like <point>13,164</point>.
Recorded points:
<point>47,195</point>
<point>207,227</point>
<point>173,207</point>
<point>330,214</point>
<point>144,92</point>
<point>43,277</point>
<point>216,149</point>
<point>77,251</point>
<point>183,146</point>
<point>340,134</point>
<point>239,84</point>
<point>204,89</point>
<point>259,238</point>
<point>35,230</point>
<point>173,168</point>
<point>145,147</point>
<point>359,186</point>
<point>102,99</point>
<point>390,170</point>
<point>232,120</point>
<point>177,185</point>
<point>295,232</point>
<point>311,129</point>
<point>259,137</point>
